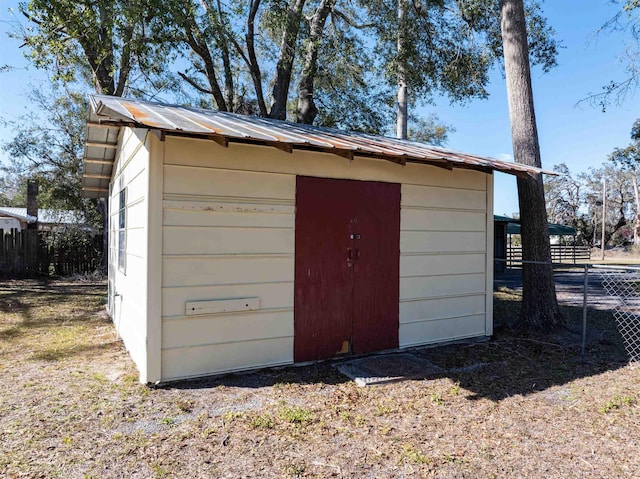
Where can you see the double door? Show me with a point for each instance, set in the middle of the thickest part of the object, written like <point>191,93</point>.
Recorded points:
<point>347,253</point>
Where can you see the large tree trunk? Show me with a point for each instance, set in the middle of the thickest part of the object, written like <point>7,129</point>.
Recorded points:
<point>401,116</point>
<point>307,109</point>
<point>539,305</point>
<point>284,67</point>
<point>252,59</point>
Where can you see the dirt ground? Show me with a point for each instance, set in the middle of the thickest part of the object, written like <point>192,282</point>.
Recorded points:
<point>514,406</point>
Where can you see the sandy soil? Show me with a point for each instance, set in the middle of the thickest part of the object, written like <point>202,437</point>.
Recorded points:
<point>514,406</point>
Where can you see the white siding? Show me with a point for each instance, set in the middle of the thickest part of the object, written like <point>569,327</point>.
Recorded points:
<point>129,293</point>
<point>228,232</point>
<point>443,278</point>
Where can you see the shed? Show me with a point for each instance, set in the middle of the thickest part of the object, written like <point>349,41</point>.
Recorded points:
<point>15,218</point>
<point>46,219</point>
<point>506,254</point>
<point>238,242</point>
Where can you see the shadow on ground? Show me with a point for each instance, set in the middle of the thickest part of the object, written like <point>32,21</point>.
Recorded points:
<point>508,364</point>
<point>23,298</point>
<point>51,320</point>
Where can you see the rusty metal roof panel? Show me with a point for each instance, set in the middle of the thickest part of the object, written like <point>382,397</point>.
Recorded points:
<point>108,113</point>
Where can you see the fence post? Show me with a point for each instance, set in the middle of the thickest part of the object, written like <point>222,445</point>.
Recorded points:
<point>584,308</point>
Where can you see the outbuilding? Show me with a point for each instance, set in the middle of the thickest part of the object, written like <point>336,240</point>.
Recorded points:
<point>238,242</point>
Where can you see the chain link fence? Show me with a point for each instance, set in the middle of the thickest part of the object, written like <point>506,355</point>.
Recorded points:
<point>622,284</point>
<point>603,301</point>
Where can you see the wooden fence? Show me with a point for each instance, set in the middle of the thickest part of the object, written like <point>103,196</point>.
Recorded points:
<point>31,253</point>
<point>563,254</point>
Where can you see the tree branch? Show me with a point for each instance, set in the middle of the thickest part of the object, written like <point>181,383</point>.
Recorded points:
<point>194,84</point>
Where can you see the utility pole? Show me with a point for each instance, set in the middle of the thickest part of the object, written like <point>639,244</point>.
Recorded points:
<point>604,209</point>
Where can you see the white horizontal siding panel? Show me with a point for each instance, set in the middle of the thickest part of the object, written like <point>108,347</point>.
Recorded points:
<point>136,215</point>
<point>224,270</point>
<point>129,309</point>
<point>205,241</point>
<point>441,264</point>
<point>439,197</point>
<point>214,215</point>
<point>223,182</point>
<point>129,324</point>
<point>411,311</point>
<point>437,331</point>
<point>440,241</point>
<point>132,149</point>
<point>216,359</point>
<point>272,295</point>
<point>435,286</point>
<point>136,189</point>
<point>136,241</point>
<point>208,154</point>
<point>434,220</point>
<point>130,140</point>
<point>226,328</point>
<point>135,268</point>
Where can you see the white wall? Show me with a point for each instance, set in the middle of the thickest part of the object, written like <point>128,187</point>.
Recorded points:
<point>443,262</point>
<point>128,286</point>
<point>228,232</point>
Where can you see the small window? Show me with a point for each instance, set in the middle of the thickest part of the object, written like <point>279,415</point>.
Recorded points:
<point>122,231</point>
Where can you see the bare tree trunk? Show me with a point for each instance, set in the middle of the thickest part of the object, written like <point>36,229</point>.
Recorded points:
<point>229,86</point>
<point>307,109</point>
<point>401,119</point>
<point>539,305</point>
<point>252,60</point>
<point>284,68</point>
<point>201,49</point>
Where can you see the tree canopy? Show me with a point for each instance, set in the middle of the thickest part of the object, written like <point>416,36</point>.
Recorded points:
<point>48,147</point>
<point>576,200</point>
<point>627,19</point>
<point>330,62</point>
<point>296,59</point>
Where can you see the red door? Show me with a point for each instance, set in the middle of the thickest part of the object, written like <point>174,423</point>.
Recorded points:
<point>346,267</point>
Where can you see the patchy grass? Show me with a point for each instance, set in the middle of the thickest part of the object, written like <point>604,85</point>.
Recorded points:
<point>515,406</point>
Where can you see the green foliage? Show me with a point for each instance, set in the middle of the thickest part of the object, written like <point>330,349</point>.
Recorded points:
<point>629,157</point>
<point>451,45</point>
<point>263,421</point>
<point>296,415</point>
<point>429,130</point>
<point>140,47</point>
<point>617,403</point>
<point>48,146</point>
<point>99,42</point>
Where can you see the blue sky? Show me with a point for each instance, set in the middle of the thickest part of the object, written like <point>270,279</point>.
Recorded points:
<point>580,135</point>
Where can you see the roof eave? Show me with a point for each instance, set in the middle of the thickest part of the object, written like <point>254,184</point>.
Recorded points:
<point>107,115</point>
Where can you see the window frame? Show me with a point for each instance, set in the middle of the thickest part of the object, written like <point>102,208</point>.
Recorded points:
<point>122,229</point>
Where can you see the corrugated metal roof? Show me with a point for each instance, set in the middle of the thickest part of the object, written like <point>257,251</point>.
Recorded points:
<point>44,215</point>
<point>513,227</point>
<point>18,213</point>
<point>108,113</point>
<point>503,219</point>
<point>554,229</point>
